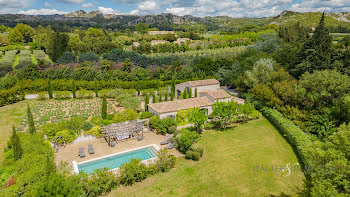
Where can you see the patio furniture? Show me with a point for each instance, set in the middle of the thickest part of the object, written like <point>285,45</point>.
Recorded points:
<point>139,138</point>
<point>112,144</point>
<point>91,149</point>
<point>171,146</point>
<point>81,152</point>
<point>165,142</point>
<point>121,131</point>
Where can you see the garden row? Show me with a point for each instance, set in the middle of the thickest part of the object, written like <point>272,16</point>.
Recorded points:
<point>16,93</point>
<point>20,59</point>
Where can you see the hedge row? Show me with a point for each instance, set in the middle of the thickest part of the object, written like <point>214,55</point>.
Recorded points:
<point>11,95</point>
<point>40,85</point>
<point>296,137</point>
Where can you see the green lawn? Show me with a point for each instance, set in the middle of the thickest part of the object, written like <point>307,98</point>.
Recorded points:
<point>226,168</point>
<point>9,115</point>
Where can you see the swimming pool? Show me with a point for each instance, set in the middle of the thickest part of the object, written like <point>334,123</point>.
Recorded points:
<point>116,160</point>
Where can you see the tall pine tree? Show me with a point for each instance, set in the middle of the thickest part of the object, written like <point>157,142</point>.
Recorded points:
<point>16,145</point>
<point>104,108</point>
<point>316,52</point>
<point>49,89</point>
<point>30,120</point>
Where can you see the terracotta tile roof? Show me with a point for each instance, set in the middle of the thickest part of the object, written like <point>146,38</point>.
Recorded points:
<point>176,105</point>
<point>204,82</point>
<point>217,94</point>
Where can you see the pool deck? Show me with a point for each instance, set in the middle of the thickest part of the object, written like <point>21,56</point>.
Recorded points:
<point>70,152</point>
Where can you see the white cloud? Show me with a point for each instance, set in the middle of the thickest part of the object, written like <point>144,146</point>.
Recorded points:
<point>104,10</point>
<point>69,1</point>
<point>87,5</point>
<point>41,12</point>
<point>15,3</point>
<point>134,12</point>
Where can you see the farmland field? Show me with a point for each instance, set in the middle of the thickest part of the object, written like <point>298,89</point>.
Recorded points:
<point>215,53</point>
<point>55,111</point>
<point>40,55</point>
<point>24,59</point>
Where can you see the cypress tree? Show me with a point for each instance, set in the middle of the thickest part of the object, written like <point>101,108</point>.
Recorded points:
<point>166,96</point>
<point>104,108</point>
<point>190,93</point>
<point>316,52</point>
<point>49,89</point>
<point>50,166</point>
<point>173,85</point>
<point>195,93</point>
<point>138,89</point>
<point>172,96</point>
<point>154,98</point>
<point>74,90</point>
<point>96,88</point>
<point>184,94</point>
<point>16,145</point>
<point>30,120</point>
<point>160,96</point>
<point>146,102</point>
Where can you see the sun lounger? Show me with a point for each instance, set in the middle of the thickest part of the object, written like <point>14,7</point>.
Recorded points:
<point>112,144</point>
<point>165,142</point>
<point>81,152</point>
<point>171,146</point>
<point>139,138</point>
<point>91,149</point>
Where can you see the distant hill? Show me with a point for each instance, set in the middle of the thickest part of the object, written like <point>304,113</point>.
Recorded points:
<point>169,21</point>
<point>311,19</point>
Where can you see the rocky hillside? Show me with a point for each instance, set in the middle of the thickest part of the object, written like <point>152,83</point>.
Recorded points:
<point>168,21</point>
<point>311,19</point>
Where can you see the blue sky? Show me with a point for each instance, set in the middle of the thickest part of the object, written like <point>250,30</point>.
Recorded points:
<point>234,8</point>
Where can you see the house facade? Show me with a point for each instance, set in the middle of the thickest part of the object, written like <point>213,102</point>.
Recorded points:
<point>201,85</point>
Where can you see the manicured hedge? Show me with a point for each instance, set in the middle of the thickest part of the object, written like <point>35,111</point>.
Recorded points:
<point>9,96</point>
<point>296,137</point>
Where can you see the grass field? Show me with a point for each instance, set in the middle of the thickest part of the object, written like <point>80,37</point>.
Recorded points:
<point>227,167</point>
<point>9,115</point>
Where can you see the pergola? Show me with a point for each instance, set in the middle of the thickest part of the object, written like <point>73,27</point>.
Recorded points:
<point>121,128</point>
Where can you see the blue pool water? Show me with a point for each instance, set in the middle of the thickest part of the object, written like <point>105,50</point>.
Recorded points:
<point>116,161</point>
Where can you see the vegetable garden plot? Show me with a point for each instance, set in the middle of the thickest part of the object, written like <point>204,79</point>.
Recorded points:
<point>56,111</point>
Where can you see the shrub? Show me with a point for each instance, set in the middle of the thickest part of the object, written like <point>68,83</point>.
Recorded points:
<point>189,154</point>
<point>126,115</point>
<point>166,123</point>
<point>68,136</point>
<point>172,129</point>
<point>97,184</point>
<point>145,115</point>
<point>42,95</point>
<point>67,57</point>
<point>62,94</point>
<point>155,122</point>
<point>196,156</point>
<point>197,148</point>
<point>165,161</point>
<point>88,57</point>
<point>96,131</point>
<point>185,139</point>
<point>132,172</point>
<point>85,94</point>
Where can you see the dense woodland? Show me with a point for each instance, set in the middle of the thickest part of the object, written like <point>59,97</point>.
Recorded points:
<point>289,72</point>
